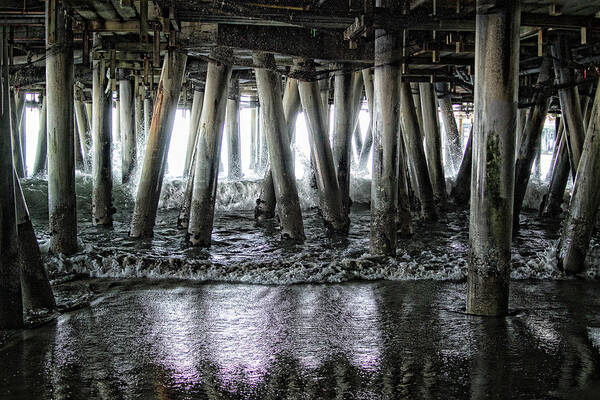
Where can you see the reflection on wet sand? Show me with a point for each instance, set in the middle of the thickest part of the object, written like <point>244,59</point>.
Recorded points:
<point>178,340</point>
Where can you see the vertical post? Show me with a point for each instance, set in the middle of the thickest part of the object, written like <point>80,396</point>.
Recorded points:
<point>17,151</point>
<point>83,126</point>
<point>433,142</point>
<point>452,135</point>
<point>61,157</point>
<point>414,146</point>
<point>461,191</point>
<point>208,152</point>
<point>569,101</point>
<point>157,145</point>
<point>343,128</point>
<point>253,135</point>
<point>148,108</point>
<point>127,117</point>
<point>384,186</point>
<point>324,90</point>
<point>493,172</point>
<point>21,121</point>
<point>263,152</point>
<point>416,95</point>
<point>531,138</point>
<point>329,191</point>
<point>11,307</point>
<point>278,141</point>
<point>232,116</point>
<point>140,133</point>
<point>552,201</point>
<point>197,100</point>
<point>79,160</point>
<point>583,208</point>
<point>35,287</point>
<point>357,96</point>
<point>265,204</point>
<point>102,207</point>
<point>368,142</point>
<point>39,165</point>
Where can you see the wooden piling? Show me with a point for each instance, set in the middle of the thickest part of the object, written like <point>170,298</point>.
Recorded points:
<point>433,142</point>
<point>15,126</point>
<point>208,151</point>
<point>157,145</point>
<point>277,133</point>
<point>454,150</point>
<point>61,157</point>
<point>461,190</point>
<point>553,199</point>
<point>413,141</point>
<point>11,307</point>
<point>39,164</point>
<point>83,128</point>
<point>197,100</point>
<point>493,172</point>
<point>102,206</point>
<point>232,118</point>
<point>368,141</point>
<point>330,198</point>
<point>127,126</point>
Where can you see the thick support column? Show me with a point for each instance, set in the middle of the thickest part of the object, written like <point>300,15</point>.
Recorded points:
<point>416,95</point>
<point>368,142</point>
<point>35,287</point>
<point>157,145</point>
<point>138,103</point>
<point>452,135</point>
<point>15,126</point>
<point>324,91</point>
<point>343,129</point>
<point>262,149</point>
<point>461,191</point>
<point>232,116</point>
<point>61,157</point>
<point>11,307</point>
<point>552,201</point>
<point>126,122</point>
<point>39,164</point>
<point>265,204</point>
<point>433,142</point>
<point>329,191</point>
<point>208,152</point>
<point>83,127</point>
<point>193,132</point>
<point>413,141</point>
<point>384,186</point>
<point>278,141</point>
<point>569,101</point>
<point>493,172</point>
<point>531,138</point>
<point>22,121</point>
<point>102,206</point>
<point>585,200</point>
<point>79,161</point>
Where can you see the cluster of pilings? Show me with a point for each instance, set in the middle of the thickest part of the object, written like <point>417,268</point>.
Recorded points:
<point>408,170</point>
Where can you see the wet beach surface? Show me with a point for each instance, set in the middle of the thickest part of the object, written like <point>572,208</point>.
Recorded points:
<point>255,318</point>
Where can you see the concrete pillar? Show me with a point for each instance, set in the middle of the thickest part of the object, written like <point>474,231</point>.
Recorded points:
<point>79,160</point>
<point>493,172</point>
<point>413,141</point>
<point>357,96</point>
<point>583,208</point>
<point>414,87</point>
<point>140,130</point>
<point>61,157</point>
<point>343,129</point>
<point>157,145</point>
<point>232,116</point>
<point>569,101</point>
<point>552,201</point>
<point>35,287</point>
<point>208,152</point>
<point>263,152</point>
<point>265,204</point>
<point>530,141</point>
<point>11,307</point>
<point>386,157</point>
<point>126,122</point>
<point>324,93</point>
<point>454,150</point>
<point>102,206</point>
<point>17,152</point>
<point>278,141</point>
<point>433,142</point>
<point>83,127</point>
<point>22,122</point>
<point>329,192</point>
<point>197,100</point>
<point>39,164</point>
<point>368,142</point>
<point>461,191</point>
